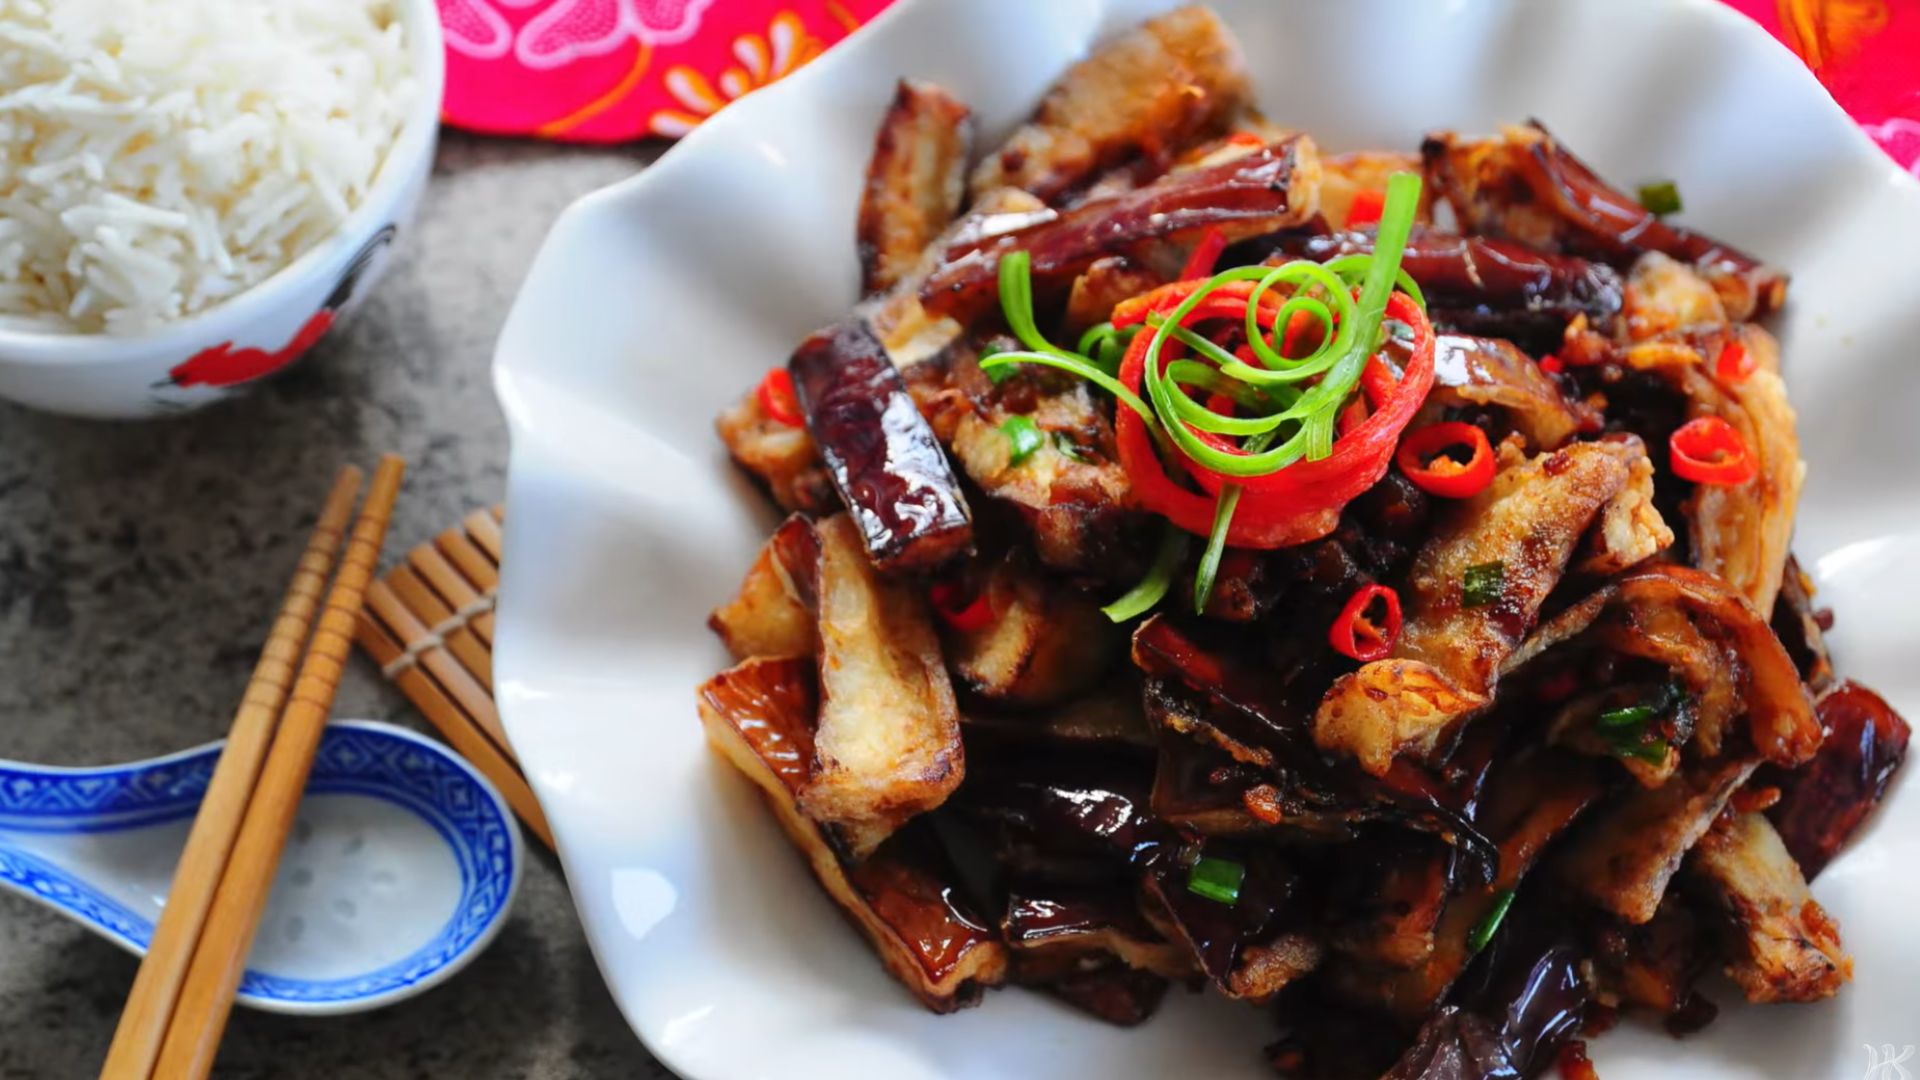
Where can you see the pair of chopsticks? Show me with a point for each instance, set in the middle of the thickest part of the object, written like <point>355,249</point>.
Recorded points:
<point>429,625</point>
<point>183,994</point>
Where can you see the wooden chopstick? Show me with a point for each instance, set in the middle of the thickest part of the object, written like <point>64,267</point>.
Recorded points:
<point>219,957</point>
<point>136,1042</point>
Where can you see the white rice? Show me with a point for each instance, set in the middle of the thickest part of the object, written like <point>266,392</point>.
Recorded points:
<point>160,156</point>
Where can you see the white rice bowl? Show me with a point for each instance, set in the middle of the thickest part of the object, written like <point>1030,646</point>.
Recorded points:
<point>160,156</point>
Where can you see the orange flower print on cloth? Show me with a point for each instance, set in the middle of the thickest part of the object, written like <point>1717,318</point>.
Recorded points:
<point>612,70</point>
<point>758,60</point>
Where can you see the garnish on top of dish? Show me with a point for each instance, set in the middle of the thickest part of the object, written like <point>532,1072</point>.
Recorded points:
<point>1357,583</point>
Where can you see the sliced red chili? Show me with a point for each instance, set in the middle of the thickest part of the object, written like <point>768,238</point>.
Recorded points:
<point>957,610</point>
<point>1205,254</point>
<point>776,398</point>
<point>1552,365</point>
<point>1424,459</point>
<point>1366,207</point>
<point>1707,450</point>
<point>1355,633</point>
<point>1735,363</point>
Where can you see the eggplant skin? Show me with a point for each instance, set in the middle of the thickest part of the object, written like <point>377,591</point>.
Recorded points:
<point>886,463</point>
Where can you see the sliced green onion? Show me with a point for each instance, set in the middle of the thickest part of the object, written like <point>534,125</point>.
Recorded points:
<point>1632,716</point>
<point>1016,302</point>
<point>1646,748</point>
<point>1216,879</point>
<point>1153,588</point>
<point>1078,365</point>
<point>1482,584</point>
<point>1025,437</point>
<point>1106,344</point>
<point>1483,933</point>
<point>997,373</point>
<point>1660,198</point>
<point>1209,567</point>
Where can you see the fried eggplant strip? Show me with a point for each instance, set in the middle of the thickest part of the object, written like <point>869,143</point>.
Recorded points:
<point>915,181</point>
<point>759,715</point>
<point>1526,186</point>
<point>1443,668</point>
<point>1783,947</point>
<point>891,472</point>
<point>1147,93</point>
<point>1275,187</point>
<point>887,745</point>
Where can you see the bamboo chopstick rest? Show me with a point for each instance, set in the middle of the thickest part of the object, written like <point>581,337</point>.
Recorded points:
<point>136,1042</point>
<point>219,958</point>
<point>429,625</point>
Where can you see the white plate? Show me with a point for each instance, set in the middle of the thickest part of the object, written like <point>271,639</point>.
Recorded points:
<point>657,301</point>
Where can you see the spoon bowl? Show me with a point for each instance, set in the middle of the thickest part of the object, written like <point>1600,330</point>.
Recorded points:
<point>401,866</point>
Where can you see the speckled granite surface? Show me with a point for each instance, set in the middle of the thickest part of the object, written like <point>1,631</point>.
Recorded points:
<point>140,564</point>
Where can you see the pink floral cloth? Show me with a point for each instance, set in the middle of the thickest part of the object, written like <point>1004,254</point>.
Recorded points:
<point>613,70</point>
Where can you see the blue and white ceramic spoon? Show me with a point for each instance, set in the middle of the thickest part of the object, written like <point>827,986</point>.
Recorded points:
<point>401,866</point>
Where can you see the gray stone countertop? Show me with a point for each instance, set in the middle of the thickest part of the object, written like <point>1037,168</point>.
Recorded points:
<point>140,565</point>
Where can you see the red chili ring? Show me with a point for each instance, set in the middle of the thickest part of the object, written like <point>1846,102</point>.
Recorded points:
<point>1735,363</point>
<point>973,615</point>
<point>1352,624</point>
<point>1366,207</point>
<point>1707,450</point>
<point>1433,472</point>
<point>777,399</point>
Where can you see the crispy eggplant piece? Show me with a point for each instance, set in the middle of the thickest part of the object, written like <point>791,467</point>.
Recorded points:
<point>887,745</point>
<point>1525,997</point>
<point>1168,81</point>
<point>1483,286</point>
<point>1200,788</point>
<point>1387,911</point>
<point>1526,186</point>
<point>1102,286</point>
<point>1109,717</point>
<point>1724,651</point>
<point>1655,964</point>
<point>1044,644</point>
<point>1631,529</point>
<point>1624,859</point>
<point>766,617</point>
<point>1781,945</point>
<point>1275,187</point>
<point>1345,175</point>
<point>1824,802</point>
<point>888,467</point>
<point>1066,817</point>
<point>1249,717</point>
<point>1253,948</point>
<point>1739,532</point>
<point>760,716</point>
<point>1798,625</point>
<point>915,181</point>
<point>1447,660</point>
<point>1052,932</point>
<point>1070,492</point>
<point>1122,996</point>
<point>1473,372</point>
<point>780,456</point>
<point>1530,802</point>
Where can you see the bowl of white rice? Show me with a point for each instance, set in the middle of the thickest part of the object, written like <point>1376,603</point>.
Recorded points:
<point>194,192</point>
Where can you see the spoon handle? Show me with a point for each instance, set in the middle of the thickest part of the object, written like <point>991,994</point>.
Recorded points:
<point>136,1042</point>
<point>219,958</point>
